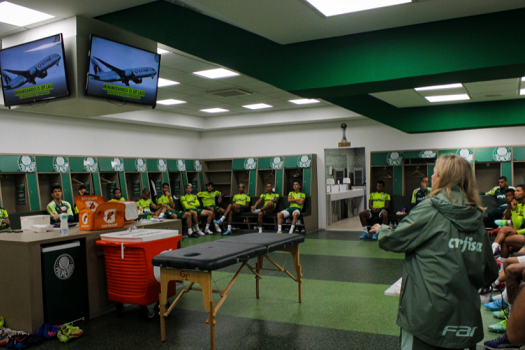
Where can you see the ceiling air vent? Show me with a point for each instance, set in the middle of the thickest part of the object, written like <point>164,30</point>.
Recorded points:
<point>231,93</point>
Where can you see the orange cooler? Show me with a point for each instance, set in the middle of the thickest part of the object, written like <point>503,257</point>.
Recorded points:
<point>130,274</point>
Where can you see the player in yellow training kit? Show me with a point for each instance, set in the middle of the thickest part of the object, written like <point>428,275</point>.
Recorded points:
<point>296,200</point>
<point>240,203</point>
<point>270,203</point>
<point>378,202</point>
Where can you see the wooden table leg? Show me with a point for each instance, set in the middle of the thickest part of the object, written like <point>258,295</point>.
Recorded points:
<point>297,266</point>
<point>211,318</point>
<point>164,281</point>
<point>258,267</point>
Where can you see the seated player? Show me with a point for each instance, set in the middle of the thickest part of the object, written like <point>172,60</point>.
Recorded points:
<point>517,210</point>
<point>499,193</point>
<point>147,205</point>
<point>506,221</point>
<point>4,219</point>
<point>82,191</point>
<point>270,203</point>
<point>296,200</point>
<point>166,200</point>
<point>240,203</point>
<point>378,202</point>
<point>421,193</point>
<point>190,202</point>
<point>58,206</point>
<point>189,216</point>
<point>208,198</point>
<point>117,196</point>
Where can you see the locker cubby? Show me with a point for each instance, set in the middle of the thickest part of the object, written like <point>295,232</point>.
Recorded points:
<point>14,196</point>
<point>263,177</point>
<point>193,178</point>
<point>45,183</point>
<point>413,174</point>
<point>79,179</point>
<point>157,182</point>
<point>240,176</point>
<point>134,186</point>
<point>519,173</point>
<point>176,187</point>
<point>290,176</point>
<point>385,173</point>
<point>109,181</point>
<point>487,175</point>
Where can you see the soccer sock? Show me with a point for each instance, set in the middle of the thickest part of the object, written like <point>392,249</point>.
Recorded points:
<point>260,229</point>
<point>502,260</point>
<point>207,226</point>
<point>190,231</point>
<point>505,296</point>
<point>229,227</point>
<point>292,228</point>
<point>496,283</point>
<point>495,247</point>
<point>365,229</point>
<point>161,215</point>
<point>279,227</point>
<point>223,218</point>
<point>256,211</point>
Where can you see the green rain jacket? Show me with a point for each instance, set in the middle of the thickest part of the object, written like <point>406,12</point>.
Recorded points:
<point>448,257</point>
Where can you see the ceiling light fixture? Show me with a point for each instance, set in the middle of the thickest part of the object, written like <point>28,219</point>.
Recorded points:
<point>161,51</point>
<point>20,16</point>
<point>214,110</point>
<point>258,106</point>
<point>522,92</point>
<point>440,87</point>
<point>304,101</point>
<point>447,98</point>
<point>165,82</point>
<point>170,102</point>
<point>337,7</point>
<point>216,73</point>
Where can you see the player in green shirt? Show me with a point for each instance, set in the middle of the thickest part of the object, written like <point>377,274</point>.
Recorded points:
<point>240,203</point>
<point>4,219</point>
<point>517,209</point>
<point>296,200</point>
<point>57,206</point>
<point>270,203</point>
<point>378,202</point>
<point>208,198</point>
<point>499,193</point>
<point>422,192</point>
<point>82,191</point>
<point>117,196</point>
<point>148,206</point>
<point>190,202</point>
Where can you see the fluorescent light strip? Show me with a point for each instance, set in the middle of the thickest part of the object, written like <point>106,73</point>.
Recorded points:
<point>440,87</point>
<point>258,106</point>
<point>170,102</point>
<point>161,51</point>
<point>337,7</point>
<point>20,16</point>
<point>304,101</point>
<point>447,98</point>
<point>214,110</point>
<point>522,92</point>
<point>216,73</point>
<point>165,82</point>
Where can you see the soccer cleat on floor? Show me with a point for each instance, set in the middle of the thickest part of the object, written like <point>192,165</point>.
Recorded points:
<point>208,231</point>
<point>194,235</point>
<point>500,327</point>
<point>4,335</point>
<point>68,332</point>
<point>374,237</point>
<point>502,314</point>
<point>364,236</point>
<point>199,232</point>
<point>497,305</point>
<point>218,222</point>
<point>217,228</point>
<point>500,343</point>
<point>227,232</point>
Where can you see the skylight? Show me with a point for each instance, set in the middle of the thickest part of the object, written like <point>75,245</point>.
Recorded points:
<point>214,110</point>
<point>258,106</point>
<point>166,82</point>
<point>304,101</point>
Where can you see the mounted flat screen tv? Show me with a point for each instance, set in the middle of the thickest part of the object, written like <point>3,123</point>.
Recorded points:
<point>34,71</point>
<point>121,72</point>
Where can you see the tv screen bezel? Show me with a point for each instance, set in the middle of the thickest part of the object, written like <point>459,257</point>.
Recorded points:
<point>40,99</point>
<point>116,98</point>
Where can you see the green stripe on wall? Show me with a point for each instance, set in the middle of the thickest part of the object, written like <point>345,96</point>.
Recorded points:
<point>122,181</point>
<point>307,181</point>
<point>66,187</point>
<point>398,180</point>
<point>96,184</point>
<point>145,182</point>
<point>165,178</point>
<point>252,183</point>
<point>279,181</point>
<point>32,184</point>
<point>430,171</point>
<point>506,170</point>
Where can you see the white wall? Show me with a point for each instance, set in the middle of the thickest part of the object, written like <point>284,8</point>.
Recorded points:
<point>22,132</point>
<point>314,138</point>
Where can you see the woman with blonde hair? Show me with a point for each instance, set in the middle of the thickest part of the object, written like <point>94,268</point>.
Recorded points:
<point>448,258</point>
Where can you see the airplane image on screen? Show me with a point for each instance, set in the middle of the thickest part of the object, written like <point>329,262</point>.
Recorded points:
<point>124,75</point>
<point>39,70</point>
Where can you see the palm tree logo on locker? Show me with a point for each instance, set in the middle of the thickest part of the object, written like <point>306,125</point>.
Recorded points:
<point>501,154</point>
<point>117,164</point>
<point>198,165</point>
<point>26,164</point>
<point>250,164</point>
<point>162,165</point>
<point>181,165</point>
<point>394,158</point>
<point>466,153</point>
<point>64,266</point>
<point>304,162</point>
<point>90,164</point>
<point>276,163</point>
<point>140,165</point>
<point>427,154</point>
<point>60,164</point>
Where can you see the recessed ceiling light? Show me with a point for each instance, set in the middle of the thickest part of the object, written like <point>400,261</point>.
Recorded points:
<point>258,106</point>
<point>214,110</point>
<point>170,102</point>
<point>337,7</point>
<point>446,98</point>
<point>161,51</point>
<point>304,101</point>
<point>216,73</point>
<point>440,87</point>
<point>165,82</point>
<point>20,16</point>
<point>522,92</point>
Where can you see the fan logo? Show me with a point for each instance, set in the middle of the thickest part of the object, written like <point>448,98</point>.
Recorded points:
<point>461,331</point>
<point>64,266</point>
<point>162,165</point>
<point>304,162</point>
<point>394,158</point>
<point>117,164</point>
<point>501,154</point>
<point>90,164</point>
<point>92,205</point>
<point>250,164</point>
<point>26,164</point>
<point>109,216</point>
<point>140,165</point>
<point>198,165</point>
<point>276,163</point>
<point>60,164</point>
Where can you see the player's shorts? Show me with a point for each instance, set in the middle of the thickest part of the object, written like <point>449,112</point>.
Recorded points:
<point>289,211</point>
<point>375,215</point>
<point>197,210</point>
<point>179,214</point>
<point>242,209</point>
<point>270,210</point>
<point>215,207</point>
<point>521,259</point>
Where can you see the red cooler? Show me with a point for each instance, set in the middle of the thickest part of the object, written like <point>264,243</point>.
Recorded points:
<point>130,274</point>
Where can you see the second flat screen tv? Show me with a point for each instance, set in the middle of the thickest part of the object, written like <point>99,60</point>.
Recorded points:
<point>121,72</point>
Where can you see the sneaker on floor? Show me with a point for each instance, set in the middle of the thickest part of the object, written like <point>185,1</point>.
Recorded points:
<point>501,314</point>
<point>4,335</point>
<point>208,231</point>
<point>364,236</point>
<point>374,237</point>
<point>500,343</point>
<point>227,232</point>
<point>500,327</point>
<point>217,228</point>
<point>279,231</point>
<point>291,231</point>
<point>68,332</point>
<point>218,222</point>
<point>51,332</point>
<point>499,304</point>
<point>302,230</point>
<point>199,232</point>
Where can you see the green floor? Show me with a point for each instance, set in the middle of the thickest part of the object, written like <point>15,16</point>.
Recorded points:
<point>343,306</point>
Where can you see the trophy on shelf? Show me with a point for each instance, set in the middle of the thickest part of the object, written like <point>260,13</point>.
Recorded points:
<point>344,142</point>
